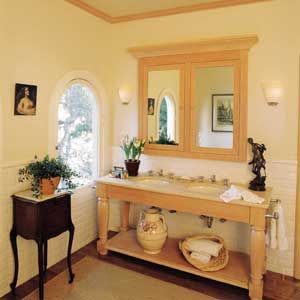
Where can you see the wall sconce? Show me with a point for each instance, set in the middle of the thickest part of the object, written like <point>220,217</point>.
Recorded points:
<point>125,94</point>
<point>273,92</point>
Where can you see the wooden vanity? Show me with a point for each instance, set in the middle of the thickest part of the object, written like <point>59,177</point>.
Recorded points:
<point>242,270</point>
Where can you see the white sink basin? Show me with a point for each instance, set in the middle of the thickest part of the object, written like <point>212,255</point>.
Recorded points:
<point>207,189</point>
<point>153,181</point>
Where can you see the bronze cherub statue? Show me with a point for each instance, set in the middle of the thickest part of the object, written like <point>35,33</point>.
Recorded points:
<point>258,162</point>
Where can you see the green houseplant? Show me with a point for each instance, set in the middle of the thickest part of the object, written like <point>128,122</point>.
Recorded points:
<point>132,149</point>
<point>45,175</point>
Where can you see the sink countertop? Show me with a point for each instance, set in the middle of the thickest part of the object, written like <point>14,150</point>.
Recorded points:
<point>182,187</point>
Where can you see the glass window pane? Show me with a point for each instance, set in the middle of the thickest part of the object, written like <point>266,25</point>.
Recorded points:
<point>76,142</point>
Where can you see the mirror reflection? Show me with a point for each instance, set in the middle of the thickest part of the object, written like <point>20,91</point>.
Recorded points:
<point>214,100</point>
<point>163,106</point>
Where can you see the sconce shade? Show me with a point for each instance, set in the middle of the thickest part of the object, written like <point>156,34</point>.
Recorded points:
<point>125,94</point>
<point>272,92</point>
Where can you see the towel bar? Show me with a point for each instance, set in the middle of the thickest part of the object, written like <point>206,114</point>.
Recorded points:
<point>275,216</point>
<point>277,201</point>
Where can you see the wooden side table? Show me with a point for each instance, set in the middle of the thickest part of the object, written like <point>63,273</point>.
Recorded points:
<point>41,219</point>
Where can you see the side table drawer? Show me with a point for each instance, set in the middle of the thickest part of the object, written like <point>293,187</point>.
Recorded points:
<point>26,219</point>
<point>56,215</point>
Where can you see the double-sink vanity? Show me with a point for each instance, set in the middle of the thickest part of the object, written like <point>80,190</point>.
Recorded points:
<point>196,197</point>
<point>192,104</point>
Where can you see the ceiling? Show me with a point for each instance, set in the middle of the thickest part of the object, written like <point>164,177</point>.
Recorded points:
<point>115,11</point>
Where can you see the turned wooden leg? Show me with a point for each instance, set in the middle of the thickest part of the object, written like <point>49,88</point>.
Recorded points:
<point>103,213</point>
<point>257,258</point>
<point>125,216</point>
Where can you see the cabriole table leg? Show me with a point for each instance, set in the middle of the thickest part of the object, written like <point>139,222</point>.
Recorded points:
<point>13,240</point>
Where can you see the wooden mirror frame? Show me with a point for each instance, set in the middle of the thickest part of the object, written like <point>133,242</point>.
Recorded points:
<point>222,51</point>
<point>147,65</point>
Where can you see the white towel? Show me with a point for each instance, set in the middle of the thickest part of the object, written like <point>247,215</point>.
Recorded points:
<point>271,238</point>
<point>204,245</point>
<point>251,197</point>
<point>201,256</point>
<point>238,193</point>
<point>276,234</point>
<point>233,193</point>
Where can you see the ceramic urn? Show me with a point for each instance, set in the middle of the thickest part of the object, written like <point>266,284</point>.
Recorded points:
<point>152,230</point>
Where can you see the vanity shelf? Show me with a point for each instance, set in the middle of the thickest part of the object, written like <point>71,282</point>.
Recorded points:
<point>235,273</point>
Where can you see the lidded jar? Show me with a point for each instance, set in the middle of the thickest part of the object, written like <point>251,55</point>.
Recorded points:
<point>152,230</point>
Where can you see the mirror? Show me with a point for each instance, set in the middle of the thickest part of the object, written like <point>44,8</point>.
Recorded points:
<point>163,97</point>
<point>214,101</point>
<point>193,98</point>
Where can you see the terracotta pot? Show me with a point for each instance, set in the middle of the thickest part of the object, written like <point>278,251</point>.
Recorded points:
<point>48,186</point>
<point>132,167</point>
<point>152,230</point>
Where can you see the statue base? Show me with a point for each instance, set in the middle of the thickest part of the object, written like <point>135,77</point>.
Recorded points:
<point>258,184</point>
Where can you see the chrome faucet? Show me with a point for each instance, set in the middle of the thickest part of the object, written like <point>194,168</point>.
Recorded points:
<point>171,175</point>
<point>160,172</point>
<point>200,178</point>
<point>150,173</point>
<point>213,178</point>
<point>226,182</point>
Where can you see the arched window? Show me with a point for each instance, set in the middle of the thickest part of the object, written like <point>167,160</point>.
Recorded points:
<point>166,119</point>
<point>77,130</point>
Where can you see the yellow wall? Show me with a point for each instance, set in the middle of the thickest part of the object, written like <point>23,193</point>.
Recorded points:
<point>43,40</point>
<point>275,57</point>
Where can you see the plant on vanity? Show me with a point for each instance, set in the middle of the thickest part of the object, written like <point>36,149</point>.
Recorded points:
<point>132,149</point>
<point>44,175</point>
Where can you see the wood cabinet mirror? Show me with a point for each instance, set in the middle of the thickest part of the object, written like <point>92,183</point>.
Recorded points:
<point>193,98</point>
<point>163,104</point>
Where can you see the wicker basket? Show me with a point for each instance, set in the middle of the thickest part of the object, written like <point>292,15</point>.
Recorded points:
<point>215,263</point>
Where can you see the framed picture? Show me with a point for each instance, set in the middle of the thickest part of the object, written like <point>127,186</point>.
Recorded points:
<point>25,99</point>
<point>151,105</point>
<point>222,112</point>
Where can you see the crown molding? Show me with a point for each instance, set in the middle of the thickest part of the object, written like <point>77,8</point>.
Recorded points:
<point>159,13</point>
<point>244,42</point>
<point>92,10</point>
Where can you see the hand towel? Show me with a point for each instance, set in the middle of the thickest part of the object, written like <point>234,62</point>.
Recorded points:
<point>238,193</point>
<point>204,245</point>
<point>251,197</point>
<point>201,256</point>
<point>233,193</point>
<point>276,233</point>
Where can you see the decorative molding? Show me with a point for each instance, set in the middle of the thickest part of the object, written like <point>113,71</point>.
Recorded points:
<point>92,10</point>
<point>159,13</point>
<point>244,42</point>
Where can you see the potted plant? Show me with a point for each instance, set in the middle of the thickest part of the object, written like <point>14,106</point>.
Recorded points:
<point>45,175</point>
<point>132,150</point>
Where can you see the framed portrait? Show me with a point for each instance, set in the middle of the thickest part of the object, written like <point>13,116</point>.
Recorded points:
<point>25,99</point>
<point>222,112</point>
<point>151,106</point>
